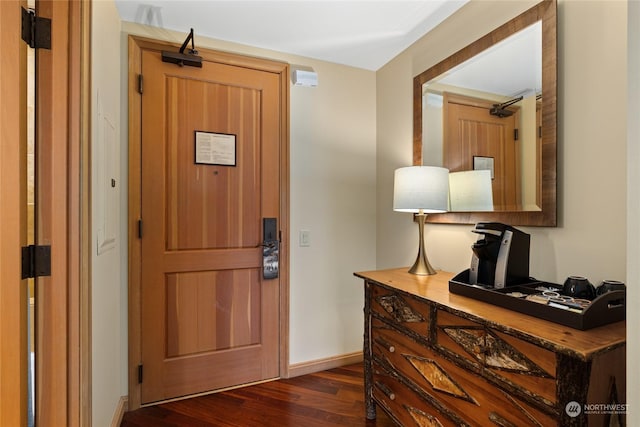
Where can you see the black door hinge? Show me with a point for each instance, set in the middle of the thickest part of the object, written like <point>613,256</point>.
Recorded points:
<point>36,31</point>
<point>139,229</point>
<point>139,374</point>
<point>515,134</point>
<point>36,261</point>
<point>140,84</point>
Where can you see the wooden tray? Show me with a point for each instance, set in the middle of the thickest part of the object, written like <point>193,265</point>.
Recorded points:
<point>606,308</point>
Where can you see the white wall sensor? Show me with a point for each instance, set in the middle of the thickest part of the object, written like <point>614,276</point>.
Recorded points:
<point>304,78</point>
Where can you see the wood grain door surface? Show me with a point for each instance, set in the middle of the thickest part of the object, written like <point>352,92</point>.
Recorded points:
<point>209,319</point>
<point>469,130</point>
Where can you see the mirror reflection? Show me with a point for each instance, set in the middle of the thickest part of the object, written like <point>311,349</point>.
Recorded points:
<point>482,118</point>
<point>522,173</point>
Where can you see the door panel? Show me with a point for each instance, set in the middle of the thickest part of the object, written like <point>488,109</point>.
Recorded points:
<point>201,196</point>
<point>209,320</point>
<point>226,301</point>
<point>469,130</point>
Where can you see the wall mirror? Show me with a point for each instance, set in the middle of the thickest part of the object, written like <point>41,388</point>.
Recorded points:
<point>488,113</point>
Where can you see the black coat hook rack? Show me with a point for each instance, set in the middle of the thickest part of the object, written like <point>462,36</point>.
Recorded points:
<point>190,59</point>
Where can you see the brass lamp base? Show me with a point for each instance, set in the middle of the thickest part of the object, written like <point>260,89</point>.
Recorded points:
<point>422,267</point>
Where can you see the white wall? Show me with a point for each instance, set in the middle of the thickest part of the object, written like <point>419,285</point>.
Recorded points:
<point>108,314</point>
<point>332,190</point>
<point>335,163</point>
<point>333,196</point>
<point>592,143</point>
<point>633,209</point>
<point>592,183</point>
<point>332,148</point>
<point>397,234</point>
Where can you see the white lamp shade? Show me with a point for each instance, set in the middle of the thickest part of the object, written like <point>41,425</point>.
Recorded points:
<point>417,188</point>
<point>470,191</point>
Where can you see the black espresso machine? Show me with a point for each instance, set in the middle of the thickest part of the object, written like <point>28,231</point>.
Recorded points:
<point>500,256</point>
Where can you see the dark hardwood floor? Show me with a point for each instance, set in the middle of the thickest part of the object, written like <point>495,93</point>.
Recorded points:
<point>329,398</point>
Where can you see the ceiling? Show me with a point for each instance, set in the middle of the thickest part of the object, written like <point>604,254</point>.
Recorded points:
<point>512,67</point>
<point>359,33</point>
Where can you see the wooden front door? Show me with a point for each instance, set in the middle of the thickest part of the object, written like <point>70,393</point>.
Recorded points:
<point>209,174</point>
<point>470,131</point>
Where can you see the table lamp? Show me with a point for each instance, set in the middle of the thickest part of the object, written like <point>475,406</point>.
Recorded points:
<point>421,190</point>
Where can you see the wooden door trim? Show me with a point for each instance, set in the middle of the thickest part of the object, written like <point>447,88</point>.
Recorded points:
<point>52,317</point>
<point>80,336</point>
<point>63,109</point>
<point>135,48</point>
<point>71,29</point>
<point>13,290</point>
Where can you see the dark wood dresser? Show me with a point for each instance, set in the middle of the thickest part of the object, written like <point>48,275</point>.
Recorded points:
<point>433,358</point>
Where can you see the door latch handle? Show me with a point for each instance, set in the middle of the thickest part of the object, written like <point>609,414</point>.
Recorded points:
<point>270,248</point>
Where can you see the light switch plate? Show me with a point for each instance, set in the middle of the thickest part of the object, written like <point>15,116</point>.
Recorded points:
<point>305,238</point>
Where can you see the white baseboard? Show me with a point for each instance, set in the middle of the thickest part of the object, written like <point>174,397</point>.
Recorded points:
<point>310,367</point>
<point>123,406</point>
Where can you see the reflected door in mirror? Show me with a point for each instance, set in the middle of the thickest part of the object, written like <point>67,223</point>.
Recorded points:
<point>470,132</point>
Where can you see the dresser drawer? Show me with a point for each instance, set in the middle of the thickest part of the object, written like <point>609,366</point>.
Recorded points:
<point>462,337</point>
<point>404,405</point>
<point>459,395</point>
<point>458,360</point>
<point>405,312</point>
<point>524,366</point>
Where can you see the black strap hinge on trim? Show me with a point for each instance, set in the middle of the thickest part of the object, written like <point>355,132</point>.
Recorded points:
<point>36,31</point>
<point>36,261</point>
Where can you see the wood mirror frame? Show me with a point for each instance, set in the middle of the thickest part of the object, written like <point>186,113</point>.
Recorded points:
<point>546,12</point>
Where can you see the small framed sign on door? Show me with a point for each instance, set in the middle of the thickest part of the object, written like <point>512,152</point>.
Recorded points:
<point>212,148</point>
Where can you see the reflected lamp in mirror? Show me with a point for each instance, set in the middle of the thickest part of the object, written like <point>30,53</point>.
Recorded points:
<point>421,190</point>
<point>470,191</point>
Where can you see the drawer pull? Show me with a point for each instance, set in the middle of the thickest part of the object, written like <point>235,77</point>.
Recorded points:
<point>386,390</point>
<point>478,350</point>
<point>384,343</point>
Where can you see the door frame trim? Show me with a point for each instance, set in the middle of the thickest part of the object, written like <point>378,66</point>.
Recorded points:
<point>70,398</point>
<point>135,47</point>
<point>64,384</point>
<point>13,151</point>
